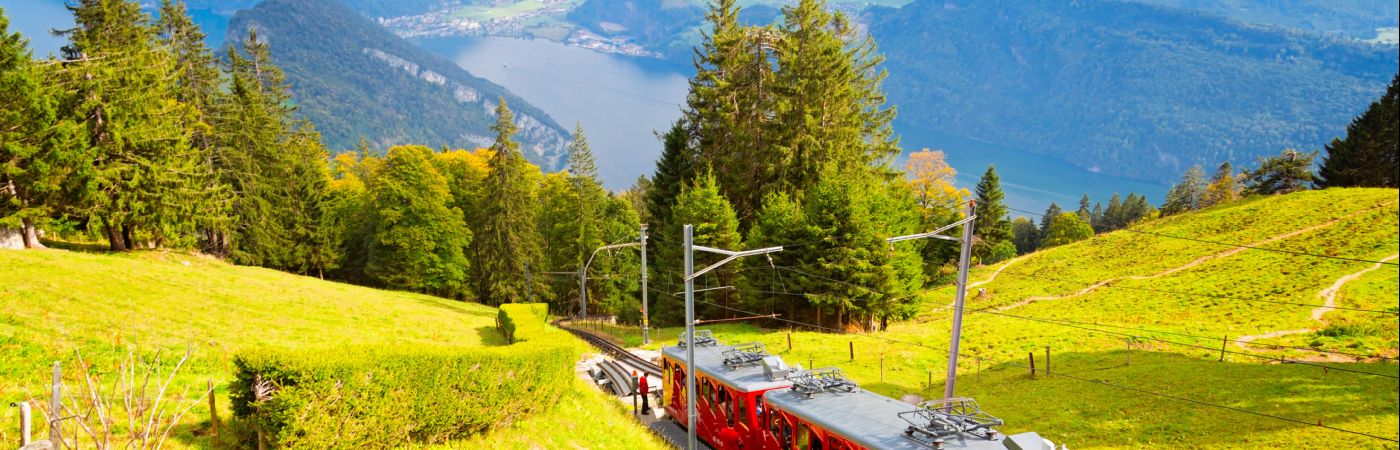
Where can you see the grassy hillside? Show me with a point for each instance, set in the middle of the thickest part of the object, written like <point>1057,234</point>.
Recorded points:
<point>1143,282</point>
<point>53,303</point>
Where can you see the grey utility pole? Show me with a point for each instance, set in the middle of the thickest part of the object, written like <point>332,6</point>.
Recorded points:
<point>646,336</point>
<point>964,257</point>
<point>690,275</point>
<point>583,271</point>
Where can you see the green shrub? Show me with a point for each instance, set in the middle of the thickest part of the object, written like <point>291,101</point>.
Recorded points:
<point>358,397</point>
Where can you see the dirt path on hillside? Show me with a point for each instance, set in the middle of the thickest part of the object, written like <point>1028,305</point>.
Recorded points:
<point>1330,295</point>
<point>1193,263</point>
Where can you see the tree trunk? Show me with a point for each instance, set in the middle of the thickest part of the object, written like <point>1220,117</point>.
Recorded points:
<point>114,238</point>
<point>31,234</point>
<point>126,237</point>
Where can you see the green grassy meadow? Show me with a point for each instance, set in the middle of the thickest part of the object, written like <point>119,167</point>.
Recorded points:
<point>55,304</point>
<point>1233,294</point>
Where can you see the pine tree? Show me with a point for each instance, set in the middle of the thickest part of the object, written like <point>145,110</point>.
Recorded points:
<point>36,153</point>
<point>1188,194</point>
<point>1369,155</point>
<point>1048,219</point>
<point>1085,213</point>
<point>144,179</point>
<point>506,240</point>
<point>700,204</point>
<point>418,240</point>
<point>675,169</point>
<point>1289,172</point>
<point>589,197</point>
<point>1114,217</point>
<point>991,227</point>
<point>1096,218</point>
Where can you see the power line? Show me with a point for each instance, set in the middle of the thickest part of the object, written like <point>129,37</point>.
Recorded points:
<point>1105,383</point>
<point>1198,294</point>
<point>1231,244</point>
<point>1071,324</point>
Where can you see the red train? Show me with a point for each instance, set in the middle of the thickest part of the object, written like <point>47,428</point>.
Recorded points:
<point>744,391</point>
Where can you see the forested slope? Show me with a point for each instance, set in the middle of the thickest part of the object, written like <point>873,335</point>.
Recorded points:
<point>352,78</point>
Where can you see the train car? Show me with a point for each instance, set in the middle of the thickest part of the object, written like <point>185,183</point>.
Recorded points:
<point>730,383</point>
<point>825,411</point>
<point>773,407</point>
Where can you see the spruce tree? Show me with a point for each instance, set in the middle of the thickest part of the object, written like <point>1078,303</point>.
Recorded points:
<point>702,205</point>
<point>991,227</point>
<point>1369,155</point>
<point>1096,218</point>
<point>1188,194</point>
<point>1048,219</point>
<point>36,154</point>
<point>588,194</point>
<point>506,240</point>
<point>143,179</point>
<point>1084,212</point>
<point>1114,217</point>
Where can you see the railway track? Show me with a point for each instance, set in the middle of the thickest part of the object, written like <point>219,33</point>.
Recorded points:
<point>616,351</point>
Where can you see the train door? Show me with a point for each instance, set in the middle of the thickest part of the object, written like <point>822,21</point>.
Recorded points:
<point>768,431</point>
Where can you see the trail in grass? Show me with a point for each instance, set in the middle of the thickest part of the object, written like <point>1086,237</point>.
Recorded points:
<point>1193,263</point>
<point>1330,295</point>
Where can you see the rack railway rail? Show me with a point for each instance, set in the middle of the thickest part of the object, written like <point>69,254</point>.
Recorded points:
<point>614,350</point>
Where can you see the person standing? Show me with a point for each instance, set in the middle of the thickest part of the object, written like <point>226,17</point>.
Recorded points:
<point>645,389</point>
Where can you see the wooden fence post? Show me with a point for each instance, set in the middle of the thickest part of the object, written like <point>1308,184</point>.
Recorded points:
<point>930,378</point>
<point>1047,360</point>
<point>56,407</point>
<point>789,335</point>
<point>882,368</point>
<point>213,414</point>
<point>1223,340</point>
<point>1130,351</point>
<point>1031,355</point>
<point>979,370</point>
<point>851,345</point>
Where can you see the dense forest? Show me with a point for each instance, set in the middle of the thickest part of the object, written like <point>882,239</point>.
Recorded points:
<point>140,137</point>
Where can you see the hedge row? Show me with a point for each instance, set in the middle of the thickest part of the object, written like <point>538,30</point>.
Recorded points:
<point>359,397</point>
<point>531,316</point>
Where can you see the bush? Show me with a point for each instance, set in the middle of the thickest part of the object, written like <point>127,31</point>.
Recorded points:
<point>357,397</point>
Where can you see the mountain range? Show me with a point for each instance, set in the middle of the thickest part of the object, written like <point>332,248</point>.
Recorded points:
<point>354,79</point>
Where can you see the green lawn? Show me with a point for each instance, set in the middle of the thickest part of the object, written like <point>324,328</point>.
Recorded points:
<point>54,303</point>
<point>1083,414</point>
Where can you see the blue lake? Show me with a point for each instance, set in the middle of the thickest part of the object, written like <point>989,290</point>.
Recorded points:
<point>622,101</point>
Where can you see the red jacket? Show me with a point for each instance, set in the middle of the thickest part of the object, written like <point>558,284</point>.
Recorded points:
<point>642,386</point>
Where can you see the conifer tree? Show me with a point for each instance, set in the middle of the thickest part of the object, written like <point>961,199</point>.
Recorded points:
<point>1288,172</point>
<point>36,155</point>
<point>700,204</point>
<point>1048,219</point>
<point>418,240</point>
<point>143,176</point>
<point>1186,195</point>
<point>1096,217</point>
<point>1369,154</point>
<point>1084,212</point>
<point>1113,216</point>
<point>589,197</point>
<point>506,240</point>
<point>991,227</point>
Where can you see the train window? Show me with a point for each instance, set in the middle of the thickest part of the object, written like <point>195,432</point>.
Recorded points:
<point>743,416</point>
<point>724,406</point>
<point>787,432</point>
<point>804,437</point>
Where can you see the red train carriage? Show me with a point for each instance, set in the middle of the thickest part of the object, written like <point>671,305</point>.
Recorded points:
<point>751,392</point>
<point>730,383</point>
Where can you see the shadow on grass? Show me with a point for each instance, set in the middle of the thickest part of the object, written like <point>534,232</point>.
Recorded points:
<point>85,247</point>
<point>490,336</point>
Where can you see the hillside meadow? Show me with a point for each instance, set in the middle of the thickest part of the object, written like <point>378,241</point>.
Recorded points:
<point>1148,314</point>
<point>56,305</point>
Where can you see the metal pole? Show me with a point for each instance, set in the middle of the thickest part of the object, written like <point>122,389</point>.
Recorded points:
<point>964,258</point>
<point>646,335</point>
<point>690,340</point>
<point>582,292</point>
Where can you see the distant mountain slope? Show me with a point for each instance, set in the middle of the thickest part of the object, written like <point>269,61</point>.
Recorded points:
<point>352,78</point>
<point>1349,18</point>
<point>1125,88</point>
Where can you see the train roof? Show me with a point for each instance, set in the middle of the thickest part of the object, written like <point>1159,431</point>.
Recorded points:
<point>872,420</point>
<point>709,360</point>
